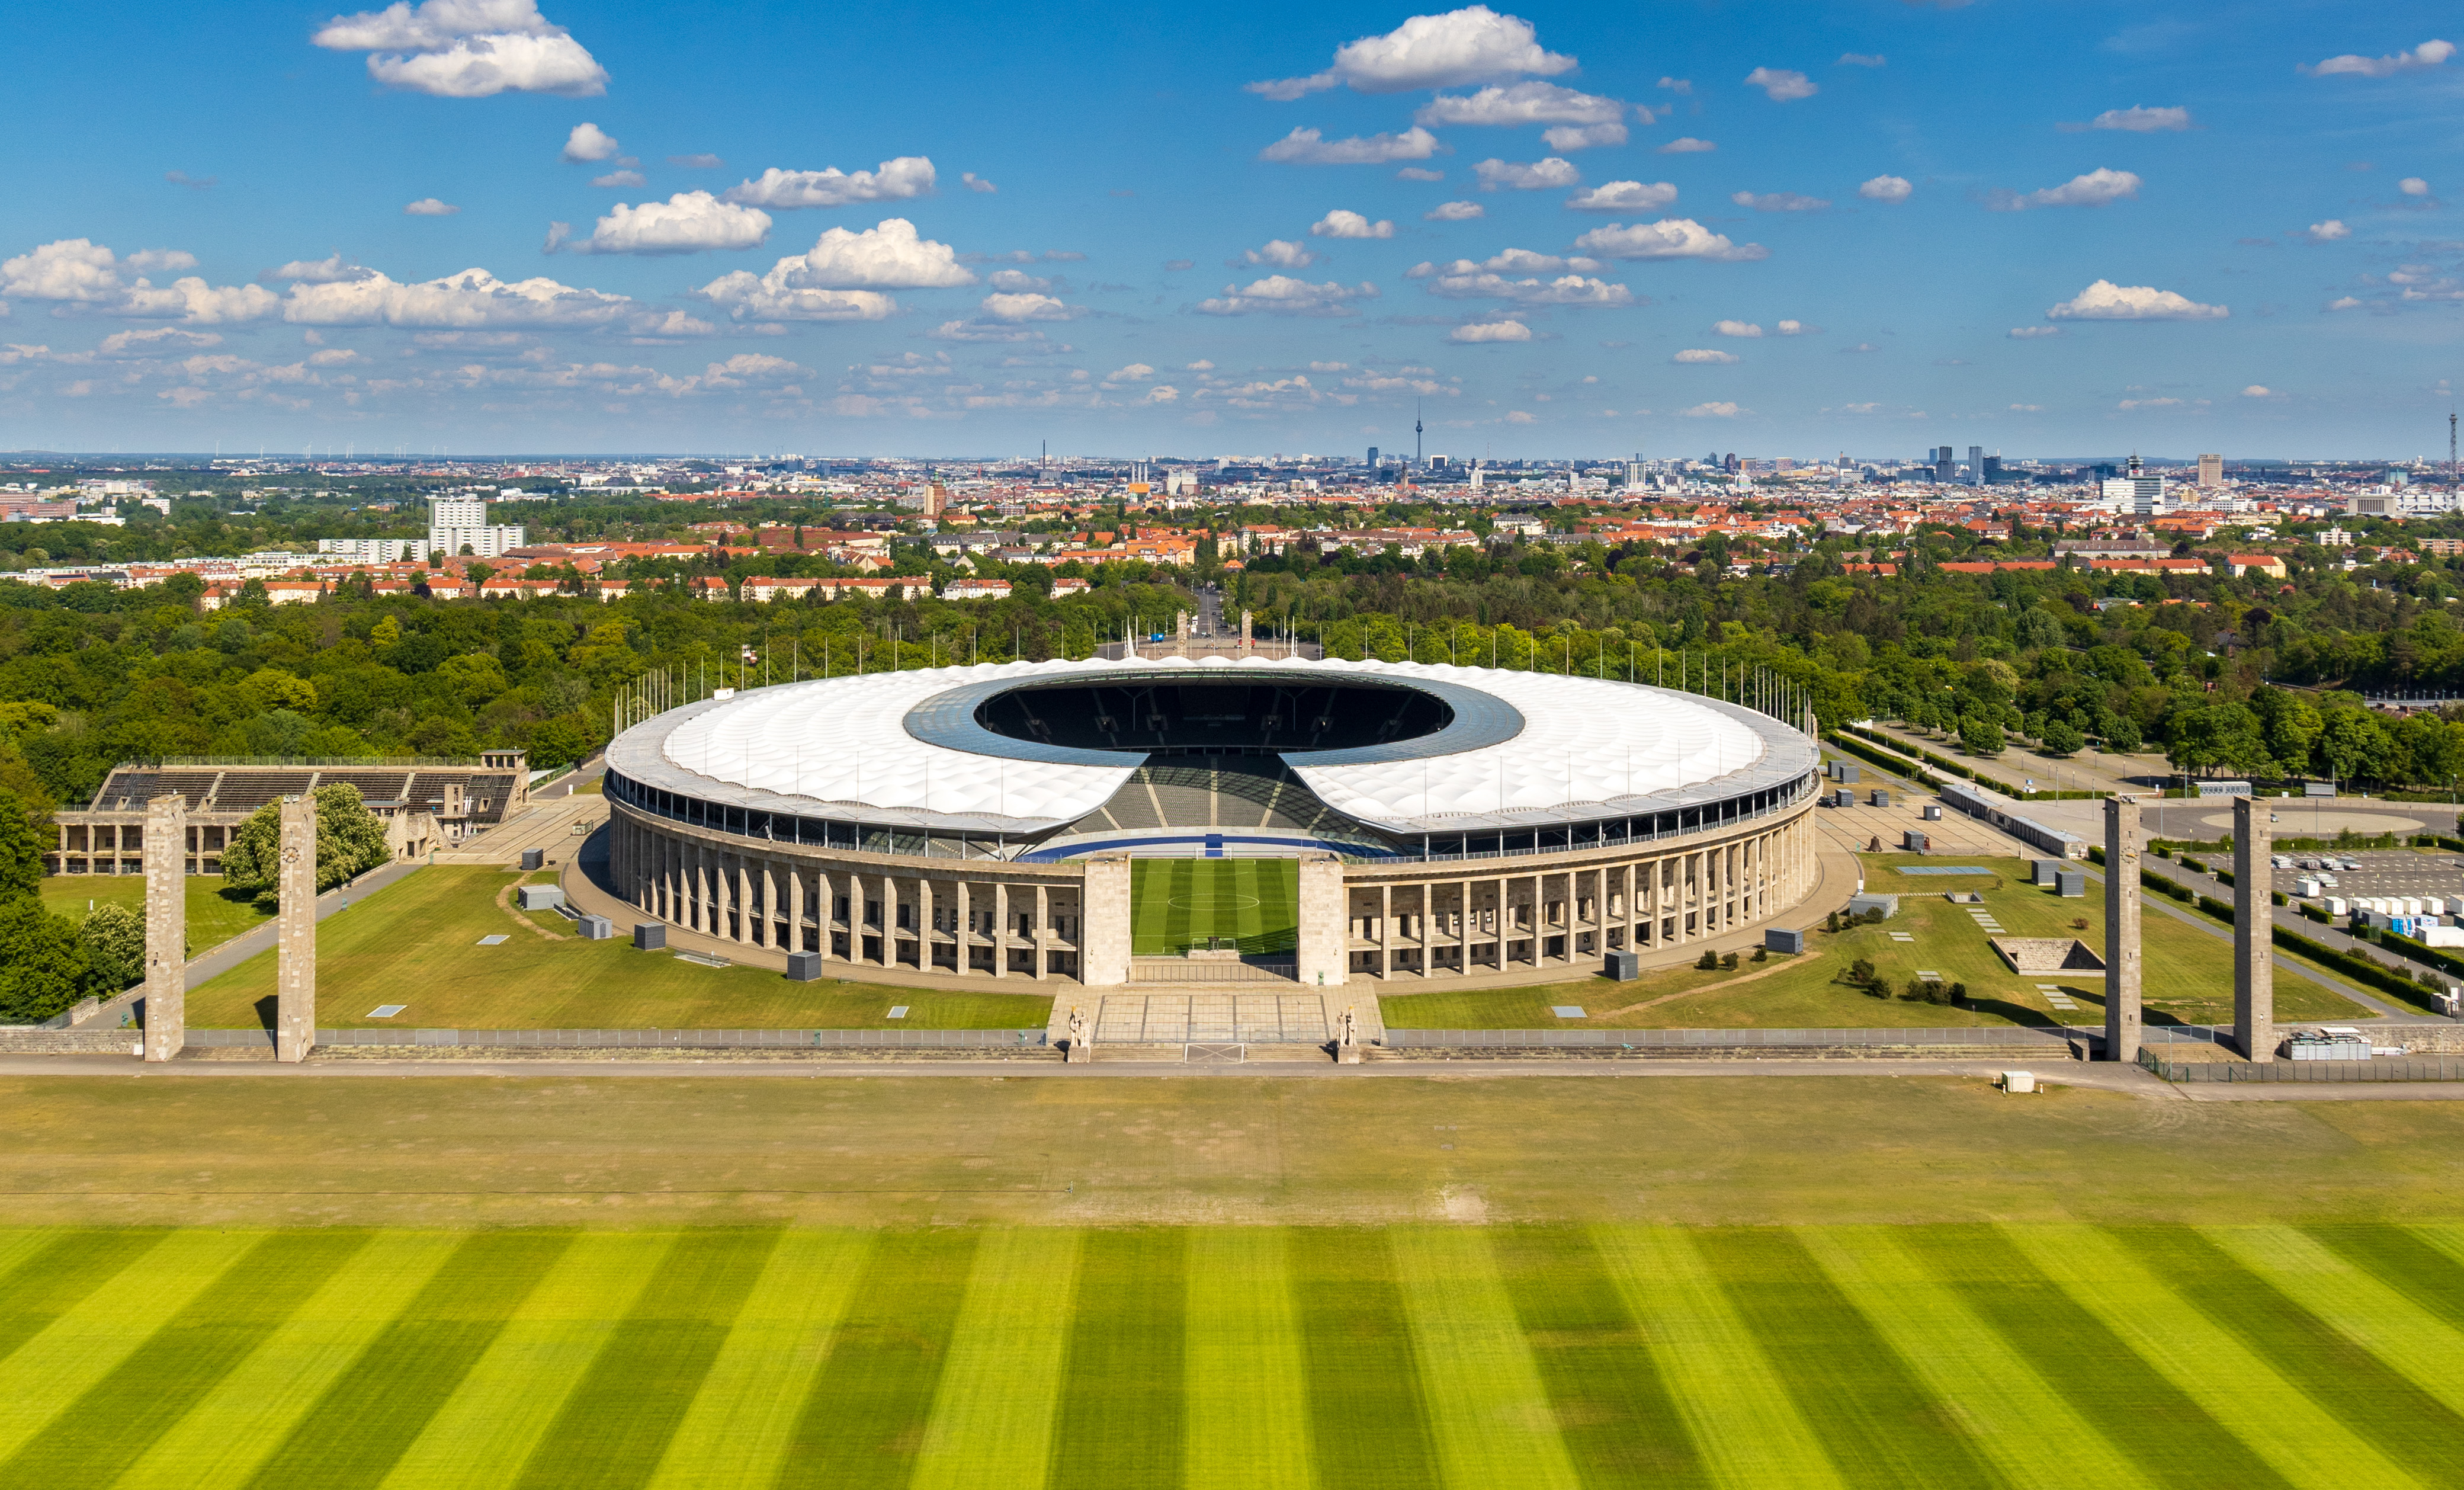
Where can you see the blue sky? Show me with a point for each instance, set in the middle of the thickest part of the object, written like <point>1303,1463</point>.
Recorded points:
<point>2047,230</point>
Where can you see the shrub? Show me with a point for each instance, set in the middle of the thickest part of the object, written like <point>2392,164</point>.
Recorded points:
<point>2079,922</point>
<point>1762,954</point>
<point>1708,962</point>
<point>1924,990</point>
<point>1831,922</point>
<point>1729,961</point>
<point>1860,972</point>
<point>1959,995</point>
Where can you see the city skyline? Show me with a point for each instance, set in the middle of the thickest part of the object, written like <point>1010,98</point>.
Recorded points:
<point>479,226</point>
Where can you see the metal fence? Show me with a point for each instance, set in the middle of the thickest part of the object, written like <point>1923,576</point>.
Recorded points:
<point>2333,1072</point>
<point>1950,1040</point>
<point>649,1039</point>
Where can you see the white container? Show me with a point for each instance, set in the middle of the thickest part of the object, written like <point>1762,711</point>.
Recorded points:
<point>2308,889</point>
<point>2018,1082</point>
<point>2412,905</point>
<point>2337,905</point>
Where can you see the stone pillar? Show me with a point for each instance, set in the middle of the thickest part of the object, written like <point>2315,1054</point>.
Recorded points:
<point>1385,932</point>
<point>295,1027</point>
<point>1244,634</point>
<point>1104,922</point>
<point>1325,919</point>
<point>1035,935</point>
<point>2121,928</point>
<point>966,958</point>
<point>1001,928</point>
<point>796,909</point>
<point>166,927</point>
<point>2254,932</point>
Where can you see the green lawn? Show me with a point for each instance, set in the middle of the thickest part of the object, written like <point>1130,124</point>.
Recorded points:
<point>416,942</point>
<point>2187,977</point>
<point>1177,903</point>
<point>1549,1357</point>
<point>215,915</point>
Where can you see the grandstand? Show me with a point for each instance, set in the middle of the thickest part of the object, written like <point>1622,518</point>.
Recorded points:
<point>426,804</point>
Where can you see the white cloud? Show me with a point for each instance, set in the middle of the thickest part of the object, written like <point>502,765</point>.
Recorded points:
<point>1522,103</point>
<point>1491,332</point>
<point>1308,147</point>
<point>1714,410</point>
<point>2096,189</point>
<point>1342,224</point>
<point>589,143</point>
<point>158,339</point>
<point>1416,173</point>
<point>2031,333</point>
<point>2327,232</point>
<point>895,180</point>
<point>1862,347</point>
<point>1163,393</point>
<point>2259,391</point>
<point>1565,290</point>
<point>1781,85</point>
<point>146,261</point>
<point>1540,175</point>
<point>2138,121</point>
<point>690,222</point>
<point>1280,294</point>
<point>429,207</point>
<point>1886,189</point>
<point>1678,85</point>
<point>1279,254</point>
<point>1471,45</point>
<point>890,256</point>
<point>2430,54</point>
<point>1134,372</point>
<point>1798,329</point>
<point>2345,302</point>
<point>981,329</point>
<point>701,160</point>
<point>1670,237</point>
<point>1582,137</point>
<point>1454,211</point>
<point>1013,309</point>
<point>1860,59</point>
<point>79,271</point>
<point>467,48</point>
<point>72,270</point>
<point>1779,202</point>
<point>2106,300</point>
<point>332,269</point>
<point>1623,196</point>
<point>1734,328</point>
<point>1016,279</point>
<point>2150,403</point>
<point>1700,355</point>
<point>625,178</point>
<point>471,300</point>
<point>1201,366</point>
<point>2413,185</point>
<point>1687,145</point>
<point>1512,261</point>
<point>976,183</point>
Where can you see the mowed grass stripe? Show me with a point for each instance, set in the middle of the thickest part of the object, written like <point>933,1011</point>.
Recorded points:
<point>2404,1260</point>
<point>1155,922</point>
<point>111,1422</point>
<point>1247,1410</point>
<point>352,1433</point>
<point>2393,1323</point>
<point>1489,1413</point>
<point>992,1415</point>
<point>864,1418</point>
<point>2238,1386</point>
<point>738,1428</point>
<point>252,1408</point>
<point>89,1340</point>
<point>1876,1420</point>
<point>1613,1409</point>
<point>2031,1432</point>
<point>1742,1420</point>
<point>1119,1421</point>
<point>485,1431</point>
<point>615,1426</point>
<point>53,1272</point>
<point>2406,1424</point>
<point>1369,1426</point>
<point>2161,1430</point>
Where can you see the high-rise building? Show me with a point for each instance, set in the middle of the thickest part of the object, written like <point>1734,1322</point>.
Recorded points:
<point>2136,491</point>
<point>1372,458</point>
<point>1992,470</point>
<point>1945,468</point>
<point>458,523</point>
<point>2212,471</point>
<point>1976,466</point>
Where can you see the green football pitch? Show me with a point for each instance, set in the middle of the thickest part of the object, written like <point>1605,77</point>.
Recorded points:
<point>1177,903</point>
<point>2058,1355</point>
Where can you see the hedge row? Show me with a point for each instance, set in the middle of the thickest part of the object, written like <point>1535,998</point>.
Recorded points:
<point>1968,773</point>
<point>2361,969</point>
<point>1880,761</point>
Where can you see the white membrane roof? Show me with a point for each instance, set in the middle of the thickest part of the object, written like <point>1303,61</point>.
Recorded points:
<point>1587,748</point>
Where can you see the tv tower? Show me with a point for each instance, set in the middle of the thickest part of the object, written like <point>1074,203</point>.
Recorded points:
<point>2451,447</point>
<point>1418,462</point>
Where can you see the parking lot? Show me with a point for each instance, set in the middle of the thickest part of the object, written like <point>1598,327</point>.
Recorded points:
<point>2383,872</point>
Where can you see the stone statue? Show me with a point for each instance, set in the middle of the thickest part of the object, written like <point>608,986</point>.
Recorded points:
<point>1348,1034</point>
<point>1077,1028</point>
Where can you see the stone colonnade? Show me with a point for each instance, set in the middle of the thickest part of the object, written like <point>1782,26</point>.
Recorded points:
<point>983,918</point>
<point>1483,917</point>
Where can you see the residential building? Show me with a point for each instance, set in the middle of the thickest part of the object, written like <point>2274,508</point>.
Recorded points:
<point>458,523</point>
<point>2212,471</point>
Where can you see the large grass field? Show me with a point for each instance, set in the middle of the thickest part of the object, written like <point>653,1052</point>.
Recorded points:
<point>2187,977</point>
<point>1177,903</point>
<point>416,943</point>
<point>215,915</point>
<point>1481,1357</point>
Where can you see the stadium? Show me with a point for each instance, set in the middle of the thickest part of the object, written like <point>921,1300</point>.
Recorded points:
<point>1221,819</point>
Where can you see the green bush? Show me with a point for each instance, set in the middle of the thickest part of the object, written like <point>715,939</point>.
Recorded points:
<point>1708,962</point>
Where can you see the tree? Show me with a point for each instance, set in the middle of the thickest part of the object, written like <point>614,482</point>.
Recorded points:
<point>21,849</point>
<point>350,841</point>
<point>1980,736</point>
<point>40,970</point>
<point>113,938</point>
<point>2063,739</point>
